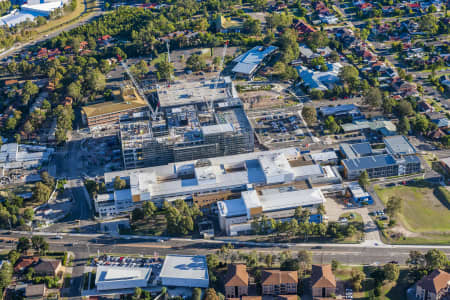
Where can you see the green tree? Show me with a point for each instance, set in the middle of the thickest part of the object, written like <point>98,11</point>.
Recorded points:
<point>196,63</point>
<point>23,244</point>
<point>13,256</point>
<point>165,70</point>
<point>47,179</point>
<point>41,192</point>
<point>304,258</point>
<point>334,265</point>
<point>309,114</point>
<point>391,272</point>
<point>357,277</point>
<point>436,259</point>
<point>196,294</point>
<point>331,125</point>
<point>28,214</point>
<point>373,97</point>
<point>268,260</point>
<point>96,81</point>
<point>404,108</point>
<point>421,124</point>
<point>149,208</point>
<point>429,23</point>
<point>416,259</point>
<point>393,206</point>
<point>403,125</point>
<point>388,104</point>
<point>364,180</point>
<point>290,264</point>
<point>74,91</point>
<point>29,90</point>
<point>289,47</point>
<point>6,273</point>
<point>252,26</point>
<point>349,75</point>
<point>211,294</point>
<point>39,244</point>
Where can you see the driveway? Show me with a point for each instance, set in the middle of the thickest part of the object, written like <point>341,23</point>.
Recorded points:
<point>334,210</point>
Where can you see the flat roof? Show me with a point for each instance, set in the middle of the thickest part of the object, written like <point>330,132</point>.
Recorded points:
<point>280,199</point>
<point>130,101</point>
<point>399,144</point>
<point>185,267</point>
<point>112,274</point>
<point>339,109</point>
<point>269,200</point>
<point>369,162</point>
<point>183,92</point>
<point>44,7</point>
<point>218,173</point>
<point>356,150</point>
<point>324,156</point>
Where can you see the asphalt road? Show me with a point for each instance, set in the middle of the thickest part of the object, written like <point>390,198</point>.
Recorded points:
<point>16,49</point>
<point>345,253</point>
<point>85,246</point>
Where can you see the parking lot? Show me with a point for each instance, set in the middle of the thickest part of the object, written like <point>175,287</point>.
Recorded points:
<point>280,128</point>
<point>128,262</point>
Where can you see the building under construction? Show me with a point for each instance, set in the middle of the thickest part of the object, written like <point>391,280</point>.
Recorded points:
<point>195,119</point>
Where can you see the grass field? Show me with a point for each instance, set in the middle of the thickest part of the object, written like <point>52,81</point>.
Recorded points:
<point>423,212</point>
<point>389,290</point>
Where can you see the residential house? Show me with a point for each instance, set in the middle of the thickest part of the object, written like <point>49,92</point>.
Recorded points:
<point>435,286</point>
<point>403,87</point>
<point>322,9</point>
<point>424,106</point>
<point>303,28</point>
<point>236,281</point>
<point>365,7</point>
<point>437,134</point>
<point>323,282</point>
<point>276,282</point>
<point>24,262</point>
<point>445,81</point>
<point>388,9</point>
<point>49,268</point>
<point>442,123</point>
<point>35,291</point>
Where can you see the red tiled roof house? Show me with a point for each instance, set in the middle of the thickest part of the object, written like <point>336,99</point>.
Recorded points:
<point>236,281</point>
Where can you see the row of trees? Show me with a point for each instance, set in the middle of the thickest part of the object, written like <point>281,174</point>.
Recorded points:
<point>180,217</point>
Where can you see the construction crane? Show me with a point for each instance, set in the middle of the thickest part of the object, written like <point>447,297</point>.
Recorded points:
<point>138,88</point>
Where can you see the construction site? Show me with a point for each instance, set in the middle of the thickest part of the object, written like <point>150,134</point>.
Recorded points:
<point>194,119</point>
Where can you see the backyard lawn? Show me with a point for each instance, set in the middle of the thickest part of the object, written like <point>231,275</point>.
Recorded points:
<point>424,212</point>
<point>389,290</point>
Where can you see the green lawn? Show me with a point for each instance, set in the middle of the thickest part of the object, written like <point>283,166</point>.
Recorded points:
<point>423,213</point>
<point>389,290</point>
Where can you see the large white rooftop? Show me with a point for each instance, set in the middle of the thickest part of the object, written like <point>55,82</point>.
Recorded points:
<point>182,92</point>
<point>112,277</point>
<point>270,200</point>
<point>185,267</point>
